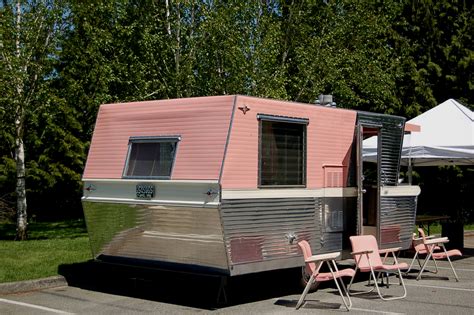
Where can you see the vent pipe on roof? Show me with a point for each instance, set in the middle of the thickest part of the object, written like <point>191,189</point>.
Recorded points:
<point>325,100</point>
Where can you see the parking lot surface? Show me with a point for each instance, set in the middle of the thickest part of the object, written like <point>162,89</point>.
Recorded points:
<point>110,290</point>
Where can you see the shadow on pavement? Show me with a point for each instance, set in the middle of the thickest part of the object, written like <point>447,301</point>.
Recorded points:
<point>189,289</point>
<point>184,289</point>
<point>309,304</point>
<point>467,252</point>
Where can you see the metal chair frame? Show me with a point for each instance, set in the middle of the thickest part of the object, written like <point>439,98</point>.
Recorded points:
<point>375,264</point>
<point>317,276</point>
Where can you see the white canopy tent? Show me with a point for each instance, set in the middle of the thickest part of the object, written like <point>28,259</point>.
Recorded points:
<point>446,137</point>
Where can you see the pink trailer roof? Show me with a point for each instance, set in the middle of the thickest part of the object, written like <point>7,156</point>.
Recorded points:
<point>207,146</point>
<point>203,124</point>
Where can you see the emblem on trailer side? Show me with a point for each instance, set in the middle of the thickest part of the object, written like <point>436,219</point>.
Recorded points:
<point>90,188</point>
<point>244,109</point>
<point>145,191</point>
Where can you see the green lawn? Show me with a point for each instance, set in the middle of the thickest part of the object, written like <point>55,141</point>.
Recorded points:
<point>436,228</point>
<point>50,244</point>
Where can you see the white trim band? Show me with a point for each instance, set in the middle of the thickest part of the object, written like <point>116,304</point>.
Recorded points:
<point>403,190</point>
<point>289,193</point>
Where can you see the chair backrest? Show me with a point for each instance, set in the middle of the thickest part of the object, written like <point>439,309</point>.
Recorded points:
<point>306,249</point>
<point>416,244</point>
<point>421,232</point>
<point>362,243</point>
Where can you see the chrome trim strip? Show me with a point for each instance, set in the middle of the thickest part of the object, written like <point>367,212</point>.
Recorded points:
<point>288,193</point>
<point>171,181</point>
<point>229,131</point>
<point>294,120</point>
<point>144,139</point>
<point>151,202</point>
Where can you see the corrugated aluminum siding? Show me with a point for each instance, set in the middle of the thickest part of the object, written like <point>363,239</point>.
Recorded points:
<point>397,219</point>
<point>257,230</point>
<point>391,133</point>
<point>203,124</point>
<point>396,213</point>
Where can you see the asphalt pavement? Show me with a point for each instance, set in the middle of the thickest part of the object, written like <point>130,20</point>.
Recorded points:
<point>102,289</point>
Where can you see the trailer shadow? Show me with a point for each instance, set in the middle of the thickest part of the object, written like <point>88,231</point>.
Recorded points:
<point>186,289</point>
<point>309,304</point>
<point>193,290</point>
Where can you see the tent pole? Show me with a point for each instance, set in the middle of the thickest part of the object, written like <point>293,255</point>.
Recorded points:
<point>409,171</point>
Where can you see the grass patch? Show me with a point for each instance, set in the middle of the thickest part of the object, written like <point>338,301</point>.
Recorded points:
<point>436,228</point>
<point>50,244</point>
<point>46,230</point>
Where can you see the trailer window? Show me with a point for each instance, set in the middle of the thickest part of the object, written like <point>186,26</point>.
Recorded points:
<point>282,152</point>
<point>151,157</point>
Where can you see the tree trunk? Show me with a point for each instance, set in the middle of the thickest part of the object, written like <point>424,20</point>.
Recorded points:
<point>22,219</point>
<point>21,222</point>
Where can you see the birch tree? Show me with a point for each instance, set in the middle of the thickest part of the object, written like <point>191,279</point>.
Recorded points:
<point>27,45</point>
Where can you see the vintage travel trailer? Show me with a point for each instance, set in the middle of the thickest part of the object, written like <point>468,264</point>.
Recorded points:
<point>228,185</point>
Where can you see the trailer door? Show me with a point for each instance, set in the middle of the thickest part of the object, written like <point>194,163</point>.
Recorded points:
<point>368,183</point>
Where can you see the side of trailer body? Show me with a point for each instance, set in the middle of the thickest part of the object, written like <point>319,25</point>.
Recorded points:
<point>229,184</point>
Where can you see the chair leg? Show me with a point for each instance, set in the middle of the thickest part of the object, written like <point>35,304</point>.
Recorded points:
<point>428,257</point>
<point>348,303</point>
<point>384,278</point>
<point>412,261</point>
<point>363,292</point>
<point>436,265</point>
<point>350,283</point>
<point>451,264</point>
<point>395,297</point>
<point>344,294</point>
<point>419,262</point>
<point>454,271</point>
<point>306,290</point>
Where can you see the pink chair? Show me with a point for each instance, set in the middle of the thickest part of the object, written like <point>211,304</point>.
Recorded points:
<point>420,249</point>
<point>313,266</point>
<point>367,257</point>
<point>430,245</point>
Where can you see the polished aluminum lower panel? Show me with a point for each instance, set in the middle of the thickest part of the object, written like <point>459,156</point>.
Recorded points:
<point>169,234</point>
<point>262,234</point>
<point>397,219</point>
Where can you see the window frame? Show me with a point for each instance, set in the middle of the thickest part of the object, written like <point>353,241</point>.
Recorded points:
<point>150,139</point>
<point>282,119</point>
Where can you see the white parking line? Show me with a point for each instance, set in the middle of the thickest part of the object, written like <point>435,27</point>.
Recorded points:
<point>52,310</point>
<point>438,287</point>
<point>374,311</point>
<point>457,269</point>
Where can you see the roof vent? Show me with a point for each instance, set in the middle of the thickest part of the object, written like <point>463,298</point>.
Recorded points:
<point>325,100</point>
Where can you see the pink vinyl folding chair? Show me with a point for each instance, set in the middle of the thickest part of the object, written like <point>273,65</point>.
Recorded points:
<point>420,249</point>
<point>313,266</point>
<point>367,257</point>
<point>430,247</point>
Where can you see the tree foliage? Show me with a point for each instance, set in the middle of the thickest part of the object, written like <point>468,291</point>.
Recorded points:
<point>29,52</point>
<point>397,57</point>
<point>439,47</point>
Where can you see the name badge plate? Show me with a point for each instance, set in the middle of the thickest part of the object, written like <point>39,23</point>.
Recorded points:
<point>145,191</point>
